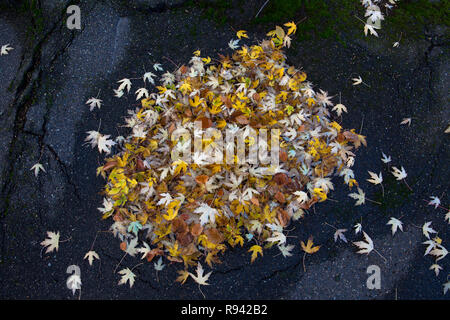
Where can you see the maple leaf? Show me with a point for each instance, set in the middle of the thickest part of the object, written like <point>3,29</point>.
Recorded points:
<point>104,144</point>
<point>141,92</point>
<point>302,196</point>
<point>241,34</point>
<point>200,278</point>
<point>94,102</point>
<point>434,201</point>
<point>396,224</point>
<point>399,174</point>
<point>180,166</point>
<point>357,81</point>
<point>358,228</point>
<point>426,229</point>
<point>37,167</point>
<point>385,158</point>
<point>51,242</point>
<point>127,275</point>
<point>339,108</point>
<point>233,44</point>
<point>255,250</point>
<point>406,121</point>
<point>118,93</point>
<point>144,250</point>
<point>439,252</point>
<point>374,178</point>
<point>74,283</point>
<point>4,50</point>
<point>436,268</point>
<point>447,216</point>
<point>131,247</point>
<point>277,237</point>
<point>286,250</point>
<point>158,67</point>
<point>159,266</point>
<point>308,248</point>
<point>446,287</point>
<point>183,276</point>
<point>91,255</point>
<point>339,234</point>
<point>292,27</point>
<point>207,213</point>
<point>368,27</point>
<point>360,197</point>
<point>124,83</point>
<point>365,247</point>
<point>134,227</point>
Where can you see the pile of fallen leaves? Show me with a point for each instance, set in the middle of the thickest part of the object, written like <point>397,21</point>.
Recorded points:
<point>192,212</point>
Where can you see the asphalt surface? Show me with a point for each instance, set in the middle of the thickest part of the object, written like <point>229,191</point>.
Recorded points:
<point>45,82</point>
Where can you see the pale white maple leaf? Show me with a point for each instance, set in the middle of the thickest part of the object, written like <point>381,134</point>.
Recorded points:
<point>302,196</point>
<point>158,67</point>
<point>144,250</point>
<point>159,265</point>
<point>166,198</point>
<point>131,247</point>
<point>365,247</point>
<point>399,174</point>
<point>426,229</point>
<point>74,283</point>
<point>104,144</point>
<point>396,44</point>
<point>431,245</point>
<point>436,268</point>
<point>51,242</point>
<point>439,252</point>
<point>148,76</point>
<point>286,250</point>
<point>339,234</point>
<point>357,81</point>
<point>277,237</point>
<point>369,27</point>
<point>339,108</point>
<point>91,255</point>
<point>385,158</point>
<point>435,201</point>
<point>199,277</point>
<point>108,205</point>
<point>233,44</point>
<point>395,224</point>
<point>37,167</point>
<point>141,92</point>
<point>406,121</point>
<point>118,93</point>
<point>127,276</point>
<point>94,102</point>
<point>124,83</point>
<point>357,227</point>
<point>446,287</point>
<point>360,197</point>
<point>5,48</point>
<point>206,213</point>
<point>374,178</point>
<point>447,216</point>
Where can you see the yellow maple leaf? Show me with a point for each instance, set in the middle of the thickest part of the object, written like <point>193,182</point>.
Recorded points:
<point>197,53</point>
<point>308,248</point>
<point>179,165</point>
<point>183,276</point>
<point>241,34</point>
<point>255,250</point>
<point>292,27</point>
